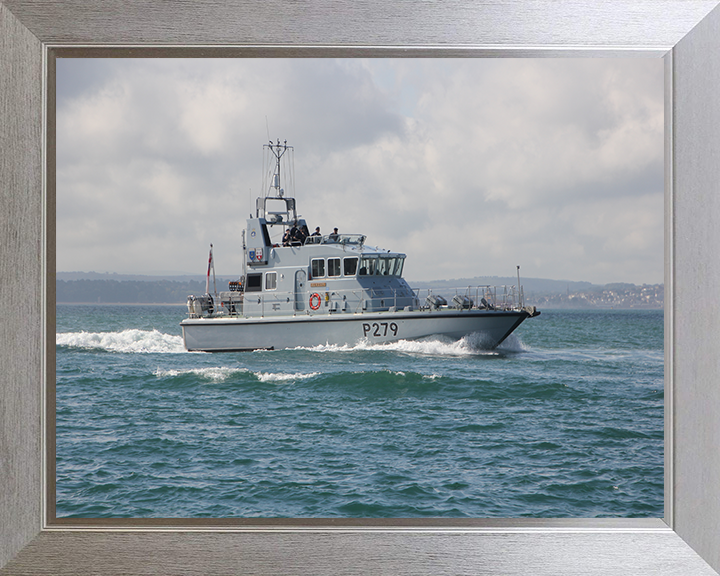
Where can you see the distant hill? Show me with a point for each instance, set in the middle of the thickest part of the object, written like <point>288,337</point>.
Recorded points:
<point>126,291</point>
<point>545,293</point>
<point>137,277</point>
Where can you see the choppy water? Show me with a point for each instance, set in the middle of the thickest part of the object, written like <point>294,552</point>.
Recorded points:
<point>564,420</point>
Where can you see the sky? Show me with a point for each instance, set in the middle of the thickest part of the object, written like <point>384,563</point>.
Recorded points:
<point>470,167</point>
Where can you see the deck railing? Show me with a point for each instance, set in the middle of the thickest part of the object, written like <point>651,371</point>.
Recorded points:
<point>504,297</point>
<point>359,301</point>
<point>352,239</point>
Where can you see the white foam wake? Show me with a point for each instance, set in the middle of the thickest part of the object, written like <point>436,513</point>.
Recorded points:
<point>270,377</point>
<point>221,373</point>
<point>129,341</point>
<point>513,343</point>
<point>470,345</point>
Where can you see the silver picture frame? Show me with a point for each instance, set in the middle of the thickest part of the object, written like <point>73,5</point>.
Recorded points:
<point>685,33</point>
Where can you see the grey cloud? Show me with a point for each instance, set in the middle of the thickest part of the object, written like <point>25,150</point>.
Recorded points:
<point>167,154</point>
<point>79,78</point>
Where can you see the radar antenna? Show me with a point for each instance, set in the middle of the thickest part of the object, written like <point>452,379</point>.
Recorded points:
<point>278,150</point>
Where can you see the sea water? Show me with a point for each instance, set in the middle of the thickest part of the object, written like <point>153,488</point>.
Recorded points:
<point>564,419</point>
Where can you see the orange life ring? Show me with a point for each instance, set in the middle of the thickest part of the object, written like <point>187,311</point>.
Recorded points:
<point>316,299</point>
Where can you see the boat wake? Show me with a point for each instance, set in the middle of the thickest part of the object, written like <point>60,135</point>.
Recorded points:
<point>133,341</point>
<point>513,343</point>
<point>471,345</point>
<point>129,341</point>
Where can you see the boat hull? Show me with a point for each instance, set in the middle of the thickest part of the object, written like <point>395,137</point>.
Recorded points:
<point>227,334</point>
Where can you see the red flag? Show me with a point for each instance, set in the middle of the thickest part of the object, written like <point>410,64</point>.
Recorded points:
<point>207,283</point>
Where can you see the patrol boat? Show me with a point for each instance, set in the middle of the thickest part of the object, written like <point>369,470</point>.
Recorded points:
<point>303,290</point>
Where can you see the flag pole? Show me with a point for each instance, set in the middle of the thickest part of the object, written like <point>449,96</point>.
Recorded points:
<point>213,267</point>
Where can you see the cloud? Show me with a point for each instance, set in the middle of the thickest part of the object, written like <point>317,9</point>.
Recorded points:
<point>468,166</point>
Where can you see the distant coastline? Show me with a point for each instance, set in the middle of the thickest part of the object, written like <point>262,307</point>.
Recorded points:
<point>97,288</point>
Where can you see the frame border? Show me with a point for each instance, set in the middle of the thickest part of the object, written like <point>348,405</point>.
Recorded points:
<point>52,53</point>
<point>39,545</point>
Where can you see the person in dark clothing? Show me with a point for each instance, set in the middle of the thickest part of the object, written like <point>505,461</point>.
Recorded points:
<point>296,236</point>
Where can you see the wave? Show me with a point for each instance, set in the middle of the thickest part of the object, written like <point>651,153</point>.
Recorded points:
<point>216,373</point>
<point>270,377</point>
<point>128,341</point>
<point>221,373</point>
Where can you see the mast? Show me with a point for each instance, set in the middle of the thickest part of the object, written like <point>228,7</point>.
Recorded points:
<point>520,296</point>
<point>278,150</point>
<point>275,206</point>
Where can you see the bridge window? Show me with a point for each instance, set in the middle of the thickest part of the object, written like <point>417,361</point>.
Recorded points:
<point>381,266</point>
<point>333,266</point>
<point>350,265</point>
<point>391,266</point>
<point>367,266</point>
<point>317,268</point>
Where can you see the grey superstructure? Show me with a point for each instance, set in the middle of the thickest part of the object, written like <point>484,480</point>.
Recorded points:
<point>309,290</point>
